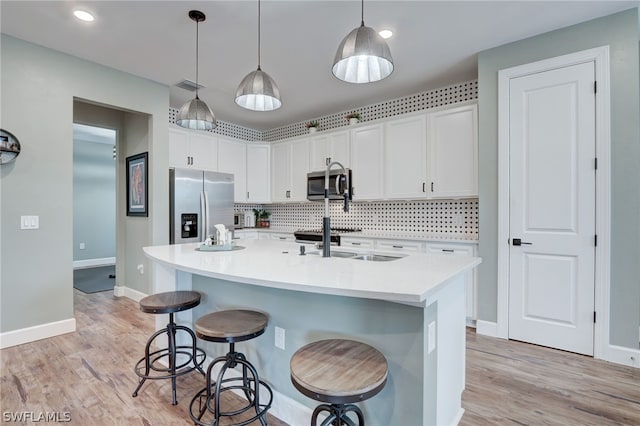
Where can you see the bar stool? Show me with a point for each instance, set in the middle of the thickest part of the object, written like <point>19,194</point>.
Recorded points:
<point>149,367</point>
<point>338,372</point>
<point>230,326</point>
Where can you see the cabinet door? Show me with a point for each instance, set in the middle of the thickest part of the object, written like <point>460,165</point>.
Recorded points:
<point>179,148</point>
<point>471,277</point>
<point>405,158</point>
<point>299,169</point>
<point>204,151</point>
<point>258,173</point>
<point>400,246</point>
<point>453,152</point>
<point>366,162</point>
<point>333,146</point>
<point>281,172</point>
<point>232,159</point>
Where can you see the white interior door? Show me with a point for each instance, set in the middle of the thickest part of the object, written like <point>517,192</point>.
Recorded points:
<point>552,208</point>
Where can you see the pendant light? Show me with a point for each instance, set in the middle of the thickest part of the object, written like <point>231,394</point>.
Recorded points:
<point>196,114</point>
<point>363,56</point>
<point>258,91</point>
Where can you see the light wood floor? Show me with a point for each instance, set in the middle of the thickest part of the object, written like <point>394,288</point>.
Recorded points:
<point>90,375</point>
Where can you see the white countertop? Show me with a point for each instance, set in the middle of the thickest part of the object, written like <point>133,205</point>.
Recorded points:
<point>276,264</point>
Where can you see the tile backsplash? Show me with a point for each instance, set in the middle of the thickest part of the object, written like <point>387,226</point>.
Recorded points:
<point>427,216</point>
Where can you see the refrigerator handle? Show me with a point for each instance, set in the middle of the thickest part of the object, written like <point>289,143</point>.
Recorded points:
<point>205,215</point>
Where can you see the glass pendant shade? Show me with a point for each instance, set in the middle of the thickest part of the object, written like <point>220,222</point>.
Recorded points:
<point>258,92</point>
<point>196,115</point>
<point>362,57</point>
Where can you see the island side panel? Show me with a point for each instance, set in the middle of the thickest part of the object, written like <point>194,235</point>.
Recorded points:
<point>396,330</point>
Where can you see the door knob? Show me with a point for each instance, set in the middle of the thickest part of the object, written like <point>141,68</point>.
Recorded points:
<point>519,242</point>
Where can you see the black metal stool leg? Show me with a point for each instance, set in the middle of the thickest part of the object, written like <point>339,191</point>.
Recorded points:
<point>171,327</point>
<point>147,360</point>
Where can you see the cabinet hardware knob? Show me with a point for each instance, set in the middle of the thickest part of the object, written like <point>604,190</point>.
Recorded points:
<point>423,187</point>
<point>448,250</point>
<point>431,186</point>
<point>398,246</point>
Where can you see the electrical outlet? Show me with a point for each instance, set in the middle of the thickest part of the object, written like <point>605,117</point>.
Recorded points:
<point>431,343</point>
<point>279,338</point>
<point>81,246</point>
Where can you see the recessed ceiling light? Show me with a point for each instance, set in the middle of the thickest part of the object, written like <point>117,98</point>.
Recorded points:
<point>385,33</point>
<point>83,15</point>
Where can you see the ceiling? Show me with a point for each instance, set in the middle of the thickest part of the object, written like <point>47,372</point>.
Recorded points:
<point>435,44</point>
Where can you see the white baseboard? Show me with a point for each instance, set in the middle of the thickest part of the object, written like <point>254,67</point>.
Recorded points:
<point>623,356</point>
<point>487,328</point>
<point>458,417</point>
<point>90,263</point>
<point>471,322</point>
<point>37,332</point>
<point>122,291</point>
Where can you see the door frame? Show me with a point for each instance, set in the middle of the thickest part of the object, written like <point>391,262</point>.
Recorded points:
<point>600,57</point>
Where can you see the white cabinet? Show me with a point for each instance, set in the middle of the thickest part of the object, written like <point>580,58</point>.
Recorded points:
<point>192,149</point>
<point>365,243</point>
<point>400,246</point>
<point>330,146</point>
<point>405,158</point>
<point>452,150</point>
<point>246,234</point>
<point>258,173</point>
<point>281,236</point>
<point>289,168</point>
<point>232,159</point>
<point>366,161</point>
<point>471,277</point>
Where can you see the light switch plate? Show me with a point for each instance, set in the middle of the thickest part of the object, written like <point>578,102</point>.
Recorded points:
<point>279,338</point>
<point>29,222</point>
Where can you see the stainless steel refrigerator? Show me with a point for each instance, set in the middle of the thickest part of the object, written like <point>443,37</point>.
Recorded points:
<point>198,200</point>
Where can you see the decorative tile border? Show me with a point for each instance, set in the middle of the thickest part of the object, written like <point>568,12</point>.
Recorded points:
<point>449,95</point>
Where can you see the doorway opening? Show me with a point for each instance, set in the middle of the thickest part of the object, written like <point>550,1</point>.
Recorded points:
<point>94,208</point>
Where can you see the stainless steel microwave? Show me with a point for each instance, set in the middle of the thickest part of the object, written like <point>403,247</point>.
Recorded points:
<point>337,185</point>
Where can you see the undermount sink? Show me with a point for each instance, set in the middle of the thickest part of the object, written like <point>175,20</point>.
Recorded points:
<point>376,257</point>
<point>337,253</point>
<point>369,257</point>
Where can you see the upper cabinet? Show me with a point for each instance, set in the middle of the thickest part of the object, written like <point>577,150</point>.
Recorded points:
<point>452,152</point>
<point>289,168</point>
<point>328,147</point>
<point>232,159</point>
<point>405,157</point>
<point>197,150</point>
<point>258,173</point>
<point>366,162</point>
<point>251,167</point>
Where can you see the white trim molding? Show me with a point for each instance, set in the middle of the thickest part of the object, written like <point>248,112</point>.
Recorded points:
<point>487,328</point>
<point>129,293</point>
<point>37,332</point>
<point>90,263</point>
<point>600,57</point>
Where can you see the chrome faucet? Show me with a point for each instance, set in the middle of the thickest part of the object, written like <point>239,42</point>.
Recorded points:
<point>326,221</point>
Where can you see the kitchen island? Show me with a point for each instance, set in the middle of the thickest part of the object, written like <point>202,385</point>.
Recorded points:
<point>412,309</point>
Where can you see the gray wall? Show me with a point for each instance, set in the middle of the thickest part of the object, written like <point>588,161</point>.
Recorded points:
<point>36,266</point>
<point>394,329</point>
<point>94,200</point>
<point>620,32</point>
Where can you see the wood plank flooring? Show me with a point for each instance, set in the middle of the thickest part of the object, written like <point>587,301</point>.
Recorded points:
<point>89,374</point>
<point>516,383</point>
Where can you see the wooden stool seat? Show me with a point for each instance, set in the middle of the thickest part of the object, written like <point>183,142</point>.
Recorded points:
<point>338,371</point>
<point>231,326</point>
<point>170,302</point>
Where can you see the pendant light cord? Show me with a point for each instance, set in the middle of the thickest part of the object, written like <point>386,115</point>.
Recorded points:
<point>362,14</point>
<point>258,34</point>
<point>197,55</point>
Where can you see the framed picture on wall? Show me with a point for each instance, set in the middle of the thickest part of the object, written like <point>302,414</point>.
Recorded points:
<point>138,185</point>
